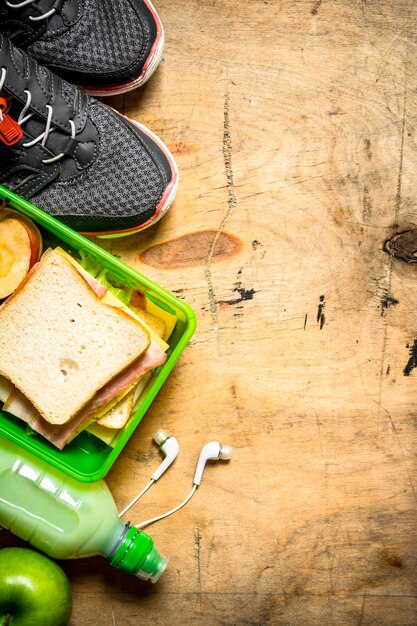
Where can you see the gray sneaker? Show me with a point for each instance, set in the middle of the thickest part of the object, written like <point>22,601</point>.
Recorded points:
<point>106,46</point>
<point>75,157</point>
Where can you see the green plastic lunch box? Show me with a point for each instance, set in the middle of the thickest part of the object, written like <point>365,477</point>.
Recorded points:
<point>88,458</point>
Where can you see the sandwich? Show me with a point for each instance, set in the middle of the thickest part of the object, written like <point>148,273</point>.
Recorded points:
<point>67,356</point>
<point>116,417</point>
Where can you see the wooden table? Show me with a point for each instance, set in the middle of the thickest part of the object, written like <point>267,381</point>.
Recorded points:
<point>294,127</point>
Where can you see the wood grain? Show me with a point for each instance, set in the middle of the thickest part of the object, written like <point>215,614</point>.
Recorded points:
<point>294,127</point>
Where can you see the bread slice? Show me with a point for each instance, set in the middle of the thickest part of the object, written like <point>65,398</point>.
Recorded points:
<point>118,415</point>
<point>59,344</point>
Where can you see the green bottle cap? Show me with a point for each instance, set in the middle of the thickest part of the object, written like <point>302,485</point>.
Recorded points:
<point>137,555</point>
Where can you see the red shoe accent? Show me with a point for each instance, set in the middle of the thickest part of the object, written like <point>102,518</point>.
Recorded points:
<point>10,130</point>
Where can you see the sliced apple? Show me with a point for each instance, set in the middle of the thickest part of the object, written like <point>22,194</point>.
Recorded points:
<point>20,249</point>
<point>32,230</point>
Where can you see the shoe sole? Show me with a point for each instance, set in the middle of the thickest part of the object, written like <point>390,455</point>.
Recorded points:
<point>167,197</point>
<point>148,69</point>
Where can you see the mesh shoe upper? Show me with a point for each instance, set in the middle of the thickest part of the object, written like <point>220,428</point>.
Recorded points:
<point>98,42</point>
<point>93,169</point>
<point>124,181</point>
<point>108,37</point>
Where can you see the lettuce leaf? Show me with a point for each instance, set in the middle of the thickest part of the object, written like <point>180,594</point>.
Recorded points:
<point>100,273</point>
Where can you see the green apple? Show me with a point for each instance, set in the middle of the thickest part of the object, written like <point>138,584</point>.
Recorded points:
<point>34,591</point>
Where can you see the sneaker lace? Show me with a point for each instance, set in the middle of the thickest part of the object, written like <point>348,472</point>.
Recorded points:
<point>25,3</point>
<point>25,116</point>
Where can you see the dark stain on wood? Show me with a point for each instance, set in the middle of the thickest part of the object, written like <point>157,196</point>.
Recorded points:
<point>256,244</point>
<point>305,320</point>
<point>387,301</point>
<point>403,246</point>
<point>190,250</point>
<point>388,370</point>
<point>368,148</point>
<point>412,361</point>
<point>244,294</point>
<point>316,7</point>
<point>393,561</point>
<point>321,318</point>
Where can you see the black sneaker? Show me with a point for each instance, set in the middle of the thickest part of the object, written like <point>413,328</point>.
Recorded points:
<point>78,159</point>
<point>106,46</point>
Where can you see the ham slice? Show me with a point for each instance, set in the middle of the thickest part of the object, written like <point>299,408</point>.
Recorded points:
<point>59,435</point>
<point>99,289</point>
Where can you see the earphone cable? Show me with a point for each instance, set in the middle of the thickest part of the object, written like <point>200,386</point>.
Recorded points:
<point>144,490</point>
<point>177,508</point>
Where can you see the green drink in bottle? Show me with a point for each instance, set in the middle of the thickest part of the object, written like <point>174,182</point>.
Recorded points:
<point>67,519</point>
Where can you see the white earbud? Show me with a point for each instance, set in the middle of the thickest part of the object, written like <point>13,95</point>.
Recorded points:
<point>169,446</point>
<point>212,451</point>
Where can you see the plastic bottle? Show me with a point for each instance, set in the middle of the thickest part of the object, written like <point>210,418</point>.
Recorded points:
<point>68,519</point>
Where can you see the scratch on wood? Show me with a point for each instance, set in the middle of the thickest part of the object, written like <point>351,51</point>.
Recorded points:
<point>400,165</point>
<point>366,204</point>
<point>197,556</point>
<point>319,431</point>
<point>397,209</point>
<point>212,550</point>
<point>361,616</point>
<point>404,462</point>
<point>113,618</point>
<point>231,204</point>
<point>412,361</point>
<point>321,318</point>
<point>281,575</point>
